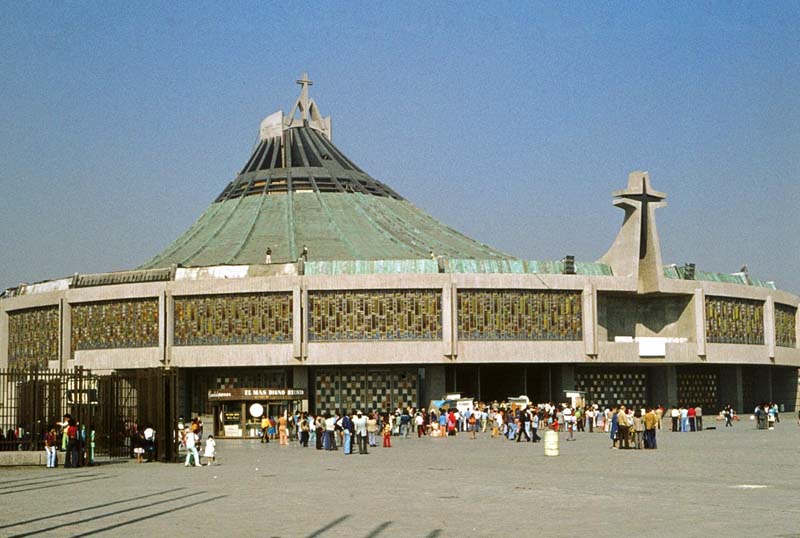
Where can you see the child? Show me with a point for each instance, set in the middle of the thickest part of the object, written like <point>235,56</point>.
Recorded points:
<point>138,447</point>
<point>210,452</point>
<point>387,435</point>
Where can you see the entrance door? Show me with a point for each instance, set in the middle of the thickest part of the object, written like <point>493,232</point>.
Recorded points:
<point>500,381</point>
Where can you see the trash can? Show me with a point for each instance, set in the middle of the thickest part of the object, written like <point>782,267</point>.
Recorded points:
<point>550,443</point>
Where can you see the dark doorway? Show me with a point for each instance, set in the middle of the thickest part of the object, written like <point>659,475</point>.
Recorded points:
<point>500,381</point>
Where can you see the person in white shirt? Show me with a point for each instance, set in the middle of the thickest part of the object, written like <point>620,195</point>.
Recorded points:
<point>191,448</point>
<point>210,452</point>
<point>360,428</point>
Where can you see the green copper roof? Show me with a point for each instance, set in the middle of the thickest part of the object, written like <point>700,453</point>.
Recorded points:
<point>679,273</point>
<point>333,225</point>
<point>522,267</point>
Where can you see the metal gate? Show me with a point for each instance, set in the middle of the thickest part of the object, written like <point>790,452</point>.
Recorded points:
<point>109,409</point>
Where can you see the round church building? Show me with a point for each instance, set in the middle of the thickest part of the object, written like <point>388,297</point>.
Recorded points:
<point>309,284</point>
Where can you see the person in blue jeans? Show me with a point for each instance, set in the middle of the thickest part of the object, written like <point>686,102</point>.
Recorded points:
<point>347,429</point>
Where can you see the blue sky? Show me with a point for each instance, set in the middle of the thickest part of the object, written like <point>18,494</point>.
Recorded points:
<point>510,121</point>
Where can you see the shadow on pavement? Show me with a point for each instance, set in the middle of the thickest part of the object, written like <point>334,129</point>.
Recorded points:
<point>76,522</point>
<point>54,485</point>
<point>87,508</point>
<point>329,526</point>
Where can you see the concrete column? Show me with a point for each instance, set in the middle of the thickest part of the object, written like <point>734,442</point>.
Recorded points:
<point>434,381</point>
<point>447,321</point>
<point>3,338</point>
<point>797,325</point>
<point>671,378</point>
<point>169,327</point>
<point>589,320</point>
<point>700,321</point>
<point>769,326</point>
<point>66,333</point>
<point>658,385</point>
<point>454,309</point>
<point>567,382</point>
<point>297,323</point>
<point>300,381</point>
<point>730,387</point>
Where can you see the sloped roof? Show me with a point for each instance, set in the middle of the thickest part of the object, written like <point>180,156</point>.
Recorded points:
<point>297,189</point>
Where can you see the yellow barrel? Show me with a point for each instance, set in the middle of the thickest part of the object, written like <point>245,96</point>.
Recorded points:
<point>550,443</point>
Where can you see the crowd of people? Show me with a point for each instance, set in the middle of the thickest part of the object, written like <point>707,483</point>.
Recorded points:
<point>191,440</point>
<point>767,415</point>
<point>357,430</point>
<point>73,439</point>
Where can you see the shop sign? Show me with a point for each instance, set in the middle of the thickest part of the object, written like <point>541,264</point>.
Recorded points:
<point>256,394</point>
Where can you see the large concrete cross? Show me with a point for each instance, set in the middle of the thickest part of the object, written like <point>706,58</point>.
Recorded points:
<point>643,198</point>
<point>305,83</point>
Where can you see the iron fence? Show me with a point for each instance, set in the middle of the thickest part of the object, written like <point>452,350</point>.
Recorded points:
<point>109,409</point>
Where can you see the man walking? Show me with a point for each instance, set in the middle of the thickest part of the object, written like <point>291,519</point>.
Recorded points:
<point>522,417</point>
<point>535,425</point>
<point>191,448</point>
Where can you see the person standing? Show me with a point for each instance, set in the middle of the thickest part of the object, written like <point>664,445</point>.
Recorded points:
<point>387,433</point>
<point>283,434</point>
<point>535,418</point>
<point>728,414</point>
<point>319,430</point>
<point>372,429</point>
<point>650,425</point>
<point>210,452</point>
<point>522,418</point>
<point>347,431</point>
<point>72,444</point>
<point>50,442</point>
<point>265,429</point>
<point>419,421</point>
<point>191,449</point>
<point>330,432</point>
<point>684,419</point>
<point>451,423</point>
<point>360,427</point>
<point>638,430</point>
<point>698,418</point>
<point>675,414</point>
<point>691,416</point>
<point>624,426</point>
<point>305,430</point>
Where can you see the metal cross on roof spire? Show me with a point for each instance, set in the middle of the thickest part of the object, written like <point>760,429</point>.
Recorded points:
<point>304,104</point>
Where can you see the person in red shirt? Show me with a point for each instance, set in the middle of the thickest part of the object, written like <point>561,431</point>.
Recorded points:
<point>72,444</point>
<point>691,414</point>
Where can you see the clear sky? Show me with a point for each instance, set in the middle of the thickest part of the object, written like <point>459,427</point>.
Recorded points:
<point>510,121</point>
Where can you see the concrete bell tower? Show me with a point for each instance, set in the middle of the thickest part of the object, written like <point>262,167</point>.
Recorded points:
<point>636,251</point>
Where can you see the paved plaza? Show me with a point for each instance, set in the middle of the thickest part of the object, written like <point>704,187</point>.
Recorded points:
<point>734,482</point>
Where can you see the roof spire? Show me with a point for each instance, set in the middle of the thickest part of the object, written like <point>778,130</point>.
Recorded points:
<point>309,112</point>
<point>303,100</point>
